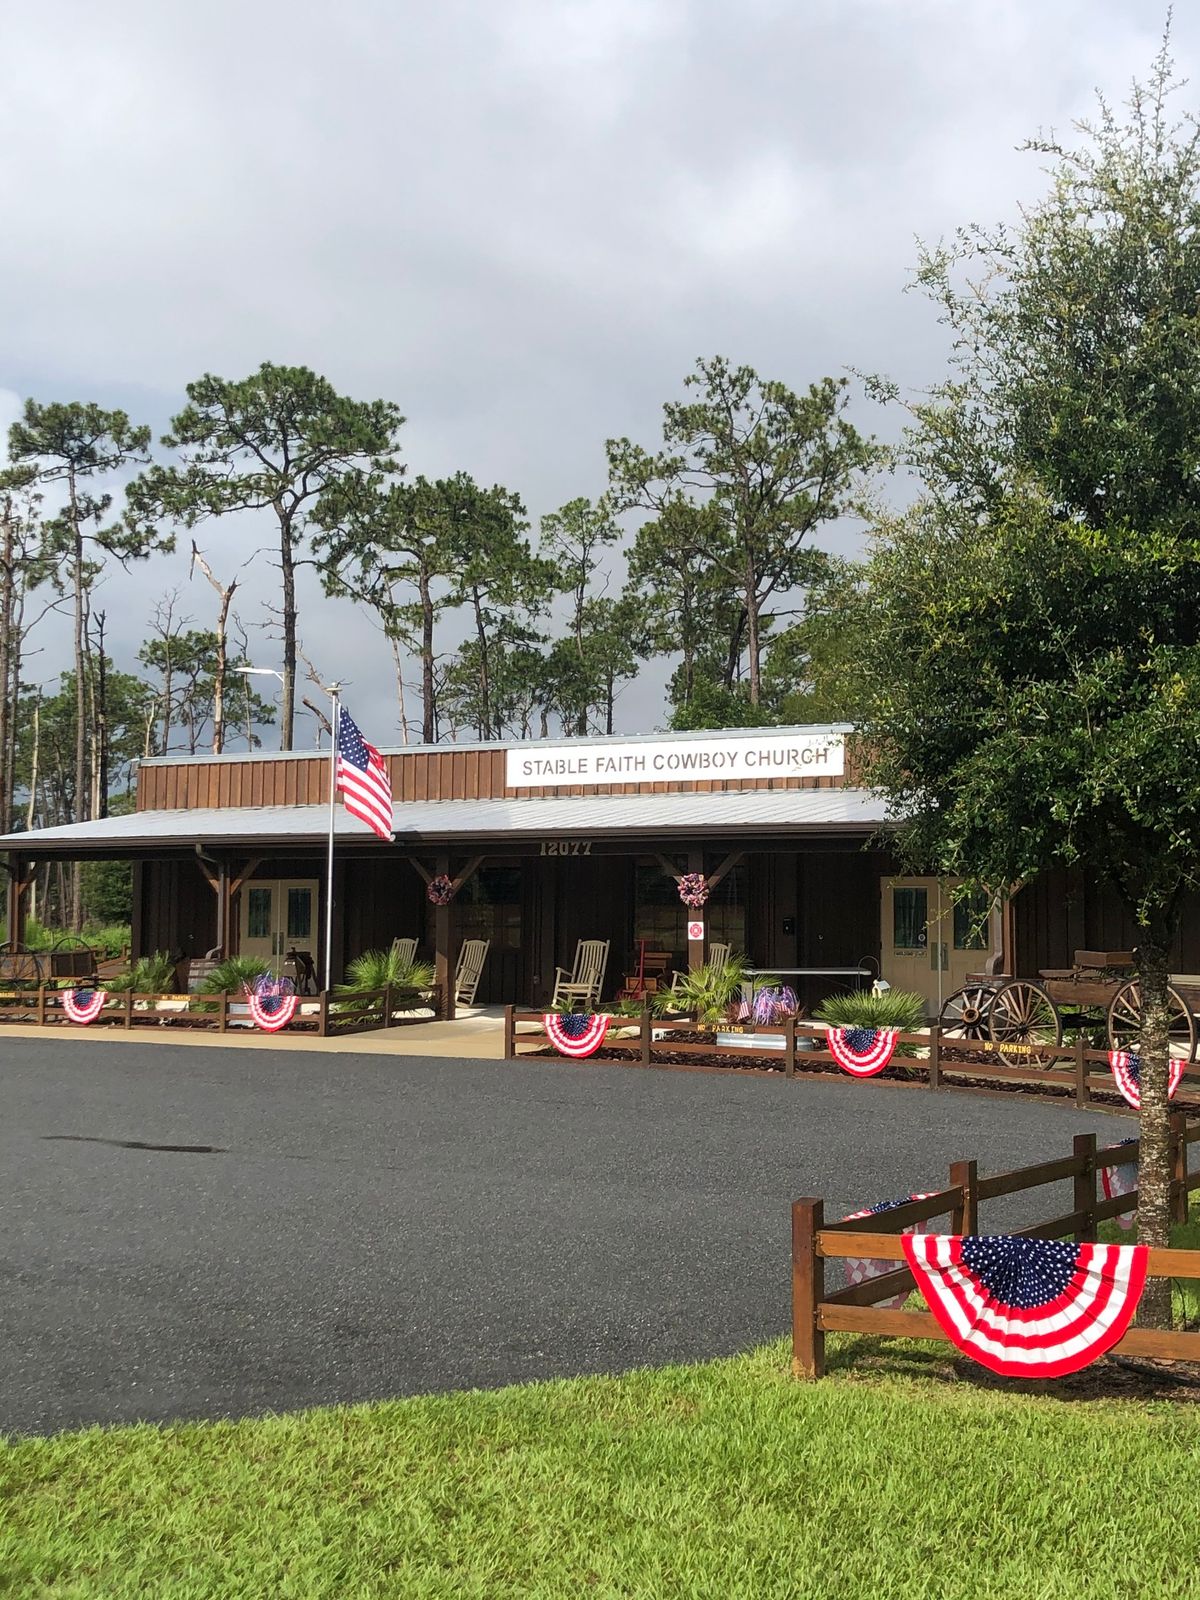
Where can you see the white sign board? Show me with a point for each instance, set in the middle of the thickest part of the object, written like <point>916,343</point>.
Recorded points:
<point>765,755</point>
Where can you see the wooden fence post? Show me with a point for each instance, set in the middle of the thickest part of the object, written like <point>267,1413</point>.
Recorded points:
<point>323,1019</point>
<point>646,1033</point>
<point>1083,1094</point>
<point>1177,1148</point>
<point>128,1008</point>
<point>935,1056</point>
<point>510,1034</point>
<point>1085,1185</point>
<point>789,1047</point>
<point>964,1218</point>
<point>41,1005</point>
<point>808,1289</point>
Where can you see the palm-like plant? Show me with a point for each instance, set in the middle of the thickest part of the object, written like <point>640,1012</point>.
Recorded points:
<point>385,969</point>
<point>148,975</point>
<point>707,993</point>
<point>233,975</point>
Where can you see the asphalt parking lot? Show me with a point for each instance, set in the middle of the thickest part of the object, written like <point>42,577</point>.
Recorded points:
<point>194,1232</point>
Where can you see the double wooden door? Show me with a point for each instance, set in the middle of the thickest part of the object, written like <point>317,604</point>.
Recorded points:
<point>929,940</point>
<point>277,916</point>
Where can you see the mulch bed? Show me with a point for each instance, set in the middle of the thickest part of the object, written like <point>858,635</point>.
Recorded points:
<point>955,1068</point>
<point>1110,1378</point>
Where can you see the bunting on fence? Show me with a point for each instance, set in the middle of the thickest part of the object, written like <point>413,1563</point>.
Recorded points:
<point>574,1034</point>
<point>862,1051</point>
<point>1121,1180</point>
<point>1028,1308</point>
<point>272,1012</point>
<point>83,1005</point>
<point>1127,1073</point>
<point>859,1269</point>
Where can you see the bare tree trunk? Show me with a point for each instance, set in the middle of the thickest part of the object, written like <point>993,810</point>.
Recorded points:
<point>752,637</point>
<point>220,666</point>
<point>485,687</point>
<point>395,644</point>
<point>33,762</point>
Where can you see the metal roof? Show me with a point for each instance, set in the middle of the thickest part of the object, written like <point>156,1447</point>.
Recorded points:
<point>769,811</point>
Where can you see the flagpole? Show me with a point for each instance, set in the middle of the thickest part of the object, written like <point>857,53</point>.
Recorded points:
<point>334,689</point>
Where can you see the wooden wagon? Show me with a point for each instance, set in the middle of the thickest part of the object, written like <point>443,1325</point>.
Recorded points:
<point>1096,996</point>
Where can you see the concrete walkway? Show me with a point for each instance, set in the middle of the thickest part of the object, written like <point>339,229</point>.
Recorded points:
<point>476,1035</point>
<point>200,1231</point>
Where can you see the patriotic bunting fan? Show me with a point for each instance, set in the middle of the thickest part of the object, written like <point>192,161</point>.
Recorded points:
<point>1120,1180</point>
<point>1028,1308</point>
<point>861,1268</point>
<point>1127,1072</point>
<point>862,1051</point>
<point>574,1034</point>
<point>272,1012</point>
<point>83,1005</point>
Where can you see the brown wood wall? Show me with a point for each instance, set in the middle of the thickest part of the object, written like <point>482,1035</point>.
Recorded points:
<point>447,774</point>
<point>1062,912</point>
<point>174,909</point>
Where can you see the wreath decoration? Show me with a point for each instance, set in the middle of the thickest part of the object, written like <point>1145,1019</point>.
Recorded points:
<point>693,889</point>
<point>440,890</point>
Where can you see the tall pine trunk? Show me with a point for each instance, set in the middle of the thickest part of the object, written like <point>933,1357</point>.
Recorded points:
<point>428,707</point>
<point>287,565</point>
<point>7,598</point>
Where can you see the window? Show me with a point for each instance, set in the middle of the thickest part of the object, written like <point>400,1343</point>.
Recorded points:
<point>489,907</point>
<point>661,918</point>
<point>299,913</point>
<point>910,916</point>
<point>258,914</point>
<point>971,922</point>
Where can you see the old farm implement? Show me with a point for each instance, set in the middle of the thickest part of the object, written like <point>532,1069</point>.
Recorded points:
<point>1097,997</point>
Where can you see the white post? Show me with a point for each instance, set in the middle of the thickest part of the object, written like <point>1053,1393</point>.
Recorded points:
<point>333,755</point>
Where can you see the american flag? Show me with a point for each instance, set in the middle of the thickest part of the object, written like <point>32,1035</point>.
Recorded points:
<point>362,778</point>
<point>1030,1308</point>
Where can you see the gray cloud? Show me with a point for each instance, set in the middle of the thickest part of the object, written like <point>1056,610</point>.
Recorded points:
<point>522,222</point>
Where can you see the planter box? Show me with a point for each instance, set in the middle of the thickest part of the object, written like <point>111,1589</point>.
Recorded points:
<point>751,1041</point>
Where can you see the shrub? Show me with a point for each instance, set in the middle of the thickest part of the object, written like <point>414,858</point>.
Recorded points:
<point>707,993</point>
<point>382,969</point>
<point>149,975</point>
<point>233,975</point>
<point>898,1008</point>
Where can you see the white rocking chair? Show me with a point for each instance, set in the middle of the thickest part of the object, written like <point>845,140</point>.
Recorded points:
<point>469,970</point>
<point>405,950</point>
<point>718,960</point>
<point>580,989</point>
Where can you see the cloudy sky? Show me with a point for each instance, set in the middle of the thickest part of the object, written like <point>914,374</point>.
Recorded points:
<point>521,220</point>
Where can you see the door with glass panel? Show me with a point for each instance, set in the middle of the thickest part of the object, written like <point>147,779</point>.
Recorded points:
<point>277,916</point>
<point>930,940</point>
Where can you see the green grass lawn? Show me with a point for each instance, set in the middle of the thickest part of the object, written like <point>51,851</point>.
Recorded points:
<point>893,1477</point>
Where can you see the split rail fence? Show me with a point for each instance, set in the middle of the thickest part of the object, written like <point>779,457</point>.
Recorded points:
<point>321,1015</point>
<point>1084,1072</point>
<point>853,1309</point>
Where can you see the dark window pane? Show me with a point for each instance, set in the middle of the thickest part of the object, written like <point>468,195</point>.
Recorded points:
<point>971,923</point>
<point>299,913</point>
<point>258,914</point>
<point>910,913</point>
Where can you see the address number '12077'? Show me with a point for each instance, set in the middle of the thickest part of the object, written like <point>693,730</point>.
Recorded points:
<point>566,847</point>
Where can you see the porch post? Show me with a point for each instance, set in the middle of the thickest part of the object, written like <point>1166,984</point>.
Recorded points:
<point>442,946</point>
<point>695,863</point>
<point>15,900</point>
<point>224,909</point>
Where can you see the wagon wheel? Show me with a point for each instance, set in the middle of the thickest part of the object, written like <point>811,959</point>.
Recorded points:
<point>1125,1022</point>
<point>19,966</point>
<point>1023,1017</point>
<point>965,1014</point>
